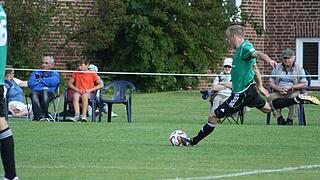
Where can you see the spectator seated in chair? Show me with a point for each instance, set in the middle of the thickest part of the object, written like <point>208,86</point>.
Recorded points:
<point>222,85</point>
<point>43,85</point>
<point>84,84</point>
<point>221,89</point>
<point>15,95</point>
<point>284,86</point>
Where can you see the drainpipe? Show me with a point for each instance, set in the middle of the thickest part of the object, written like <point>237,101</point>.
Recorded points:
<point>264,15</point>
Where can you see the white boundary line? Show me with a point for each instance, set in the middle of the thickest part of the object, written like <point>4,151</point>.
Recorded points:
<point>149,74</point>
<point>245,173</point>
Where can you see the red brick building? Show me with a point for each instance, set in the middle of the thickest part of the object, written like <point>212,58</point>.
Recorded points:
<point>291,24</point>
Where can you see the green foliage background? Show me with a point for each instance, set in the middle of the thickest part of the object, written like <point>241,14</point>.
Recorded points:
<point>127,35</point>
<point>157,36</point>
<point>28,23</point>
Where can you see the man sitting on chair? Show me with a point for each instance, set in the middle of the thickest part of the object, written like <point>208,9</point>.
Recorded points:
<point>287,86</point>
<point>43,85</point>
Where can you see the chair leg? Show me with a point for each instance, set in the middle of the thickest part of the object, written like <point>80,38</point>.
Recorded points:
<point>241,114</point>
<point>301,116</point>
<point>100,111</point>
<point>109,111</point>
<point>128,107</point>
<point>93,111</point>
<point>268,118</point>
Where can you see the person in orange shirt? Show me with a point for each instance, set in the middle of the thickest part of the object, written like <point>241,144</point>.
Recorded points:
<point>84,84</point>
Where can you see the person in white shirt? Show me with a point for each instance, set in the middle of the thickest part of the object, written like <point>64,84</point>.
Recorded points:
<point>222,85</point>
<point>15,95</point>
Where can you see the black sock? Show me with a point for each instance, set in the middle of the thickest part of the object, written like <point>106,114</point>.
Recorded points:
<point>205,131</point>
<point>7,153</point>
<point>282,102</point>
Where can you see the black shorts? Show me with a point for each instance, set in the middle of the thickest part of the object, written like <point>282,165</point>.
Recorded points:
<point>2,101</point>
<point>237,101</point>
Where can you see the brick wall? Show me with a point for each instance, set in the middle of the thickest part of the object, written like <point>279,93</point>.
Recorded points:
<point>288,20</point>
<point>72,52</point>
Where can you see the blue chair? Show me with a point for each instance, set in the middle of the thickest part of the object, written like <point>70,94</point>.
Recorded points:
<point>120,96</point>
<point>68,98</point>
<point>301,113</point>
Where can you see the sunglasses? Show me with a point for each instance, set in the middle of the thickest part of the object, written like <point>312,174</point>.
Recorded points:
<point>227,66</point>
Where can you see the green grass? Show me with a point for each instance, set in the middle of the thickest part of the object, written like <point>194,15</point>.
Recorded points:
<point>140,150</point>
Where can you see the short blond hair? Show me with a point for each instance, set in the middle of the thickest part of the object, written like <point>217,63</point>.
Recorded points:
<point>235,30</point>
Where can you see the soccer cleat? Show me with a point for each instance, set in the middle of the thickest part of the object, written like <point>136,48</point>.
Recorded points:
<point>15,178</point>
<point>281,121</point>
<point>304,99</point>
<point>187,141</point>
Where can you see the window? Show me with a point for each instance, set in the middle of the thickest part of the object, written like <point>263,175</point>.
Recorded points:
<point>308,55</point>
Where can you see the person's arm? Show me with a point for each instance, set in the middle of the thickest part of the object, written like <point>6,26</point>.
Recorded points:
<point>98,85</point>
<point>72,86</point>
<point>275,86</point>
<point>227,84</point>
<point>216,85</point>
<point>258,80</point>
<point>264,57</point>
<point>33,80</point>
<point>51,79</point>
<point>23,84</point>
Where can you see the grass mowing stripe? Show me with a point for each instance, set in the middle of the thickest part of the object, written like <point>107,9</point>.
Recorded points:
<point>245,173</point>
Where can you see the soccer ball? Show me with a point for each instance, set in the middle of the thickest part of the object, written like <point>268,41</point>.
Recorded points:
<point>175,137</point>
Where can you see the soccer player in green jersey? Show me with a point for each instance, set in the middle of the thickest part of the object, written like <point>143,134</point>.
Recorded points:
<point>244,91</point>
<point>6,138</point>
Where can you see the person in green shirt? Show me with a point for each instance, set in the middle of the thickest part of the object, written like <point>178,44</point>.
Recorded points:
<point>6,137</point>
<point>244,91</point>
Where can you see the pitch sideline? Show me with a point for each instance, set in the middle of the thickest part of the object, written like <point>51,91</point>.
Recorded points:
<point>245,173</point>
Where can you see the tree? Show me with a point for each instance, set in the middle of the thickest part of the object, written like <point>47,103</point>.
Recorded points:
<point>170,36</point>
<point>28,23</point>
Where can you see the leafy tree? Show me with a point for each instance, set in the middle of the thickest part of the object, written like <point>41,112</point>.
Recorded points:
<point>29,22</point>
<point>171,36</point>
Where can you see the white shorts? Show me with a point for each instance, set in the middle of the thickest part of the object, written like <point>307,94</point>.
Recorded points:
<point>18,105</point>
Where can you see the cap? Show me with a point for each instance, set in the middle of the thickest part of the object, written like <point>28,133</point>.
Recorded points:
<point>93,67</point>
<point>227,62</point>
<point>287,53</point>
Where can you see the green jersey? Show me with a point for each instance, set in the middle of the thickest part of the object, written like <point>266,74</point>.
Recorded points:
<point>3,44</point>
<point>242,74</point>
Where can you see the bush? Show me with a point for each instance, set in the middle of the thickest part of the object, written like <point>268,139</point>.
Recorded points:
<point>157,36</point>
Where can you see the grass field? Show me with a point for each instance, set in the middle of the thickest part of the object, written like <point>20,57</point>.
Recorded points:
<point>140,150</point>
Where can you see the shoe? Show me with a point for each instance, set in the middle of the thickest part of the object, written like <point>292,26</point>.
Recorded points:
<point>15,178</point>
<point>84,119</point>
<point>187,141</point>
<point>113,114</point>
<point>281,121</point>
<point>43,119</point>
<point>304,99</point>
<point>289,122</point>
<point>75,119</point>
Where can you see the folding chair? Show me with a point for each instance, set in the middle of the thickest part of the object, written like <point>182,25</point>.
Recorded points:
<point>54,101</point>
<point>68,99</point>
<point>239,115</point>
<point>120,96</point>
<point>301,112</point>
